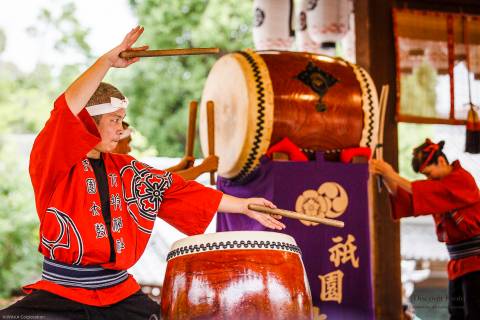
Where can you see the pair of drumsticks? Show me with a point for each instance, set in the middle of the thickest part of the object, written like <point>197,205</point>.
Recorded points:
<point>211,137</point>
<point>188,160</point>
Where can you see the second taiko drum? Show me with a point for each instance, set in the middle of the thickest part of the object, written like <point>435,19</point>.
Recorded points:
<point>236,275</point>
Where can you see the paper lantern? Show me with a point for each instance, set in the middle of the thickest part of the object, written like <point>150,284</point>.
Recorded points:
<point>328,20</point>
<point>272,27</point>
<point>304,42</point>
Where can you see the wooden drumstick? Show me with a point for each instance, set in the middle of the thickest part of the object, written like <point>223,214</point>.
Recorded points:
<point>211,136</point>
<point>192,120</point>
<point>296,215</point>
<point>383,108</point>
<point>379,147</point>
<point>127,54</point>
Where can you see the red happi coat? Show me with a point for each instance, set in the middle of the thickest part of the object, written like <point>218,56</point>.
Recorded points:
<point>72,228</point>
<point>454,203</point>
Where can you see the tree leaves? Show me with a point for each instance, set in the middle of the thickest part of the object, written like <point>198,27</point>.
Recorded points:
<point>19,262</point>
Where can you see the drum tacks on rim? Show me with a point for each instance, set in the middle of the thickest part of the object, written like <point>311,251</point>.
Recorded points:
<point>318,102</point>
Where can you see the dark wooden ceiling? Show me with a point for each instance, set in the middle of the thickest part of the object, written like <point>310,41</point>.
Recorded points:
<point>465,6</point>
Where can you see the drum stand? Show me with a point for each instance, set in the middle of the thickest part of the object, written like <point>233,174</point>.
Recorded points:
<point>185,167</point>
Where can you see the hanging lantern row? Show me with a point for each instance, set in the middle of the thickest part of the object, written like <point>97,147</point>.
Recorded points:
<point>319,24</point>
<point>414,52</point>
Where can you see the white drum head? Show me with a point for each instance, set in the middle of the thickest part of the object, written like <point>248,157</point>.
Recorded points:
<point>243,102</point>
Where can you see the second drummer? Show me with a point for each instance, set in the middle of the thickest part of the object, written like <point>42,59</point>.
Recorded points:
<point>97,209</point>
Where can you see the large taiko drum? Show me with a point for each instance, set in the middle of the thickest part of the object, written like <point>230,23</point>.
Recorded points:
<point>236,275</point>
<point>318,102</point>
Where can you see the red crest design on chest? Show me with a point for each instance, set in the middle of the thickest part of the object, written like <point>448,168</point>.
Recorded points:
<point>143,192</point>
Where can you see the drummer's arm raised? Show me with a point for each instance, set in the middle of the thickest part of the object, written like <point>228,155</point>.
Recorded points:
<point>239,205</point>
<point>80,91</point>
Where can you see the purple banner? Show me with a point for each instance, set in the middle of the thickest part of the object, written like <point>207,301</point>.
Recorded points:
<point>337,261</point>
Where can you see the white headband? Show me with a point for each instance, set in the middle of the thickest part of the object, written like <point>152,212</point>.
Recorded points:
<point>103,108</point>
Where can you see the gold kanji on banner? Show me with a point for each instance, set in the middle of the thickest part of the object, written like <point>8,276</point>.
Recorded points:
<point>344,252</point>
<point>331,286</point>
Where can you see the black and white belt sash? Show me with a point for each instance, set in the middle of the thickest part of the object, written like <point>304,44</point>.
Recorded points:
<point>464,249</point>
<point>87,277</point>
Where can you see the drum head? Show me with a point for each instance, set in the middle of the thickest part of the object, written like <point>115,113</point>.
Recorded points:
<point>240,88</point>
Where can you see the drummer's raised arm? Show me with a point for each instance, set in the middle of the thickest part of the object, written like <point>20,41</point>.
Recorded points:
<point>238,205</point>
<point>80,91</point>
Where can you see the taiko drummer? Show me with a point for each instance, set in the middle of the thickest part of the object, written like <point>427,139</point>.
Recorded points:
<point>97,209</point>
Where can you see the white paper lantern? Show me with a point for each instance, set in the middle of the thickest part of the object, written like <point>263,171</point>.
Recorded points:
<point>304,42</point>
<point>272,27</point>
<point>348,42</point>
<point>328,20</point>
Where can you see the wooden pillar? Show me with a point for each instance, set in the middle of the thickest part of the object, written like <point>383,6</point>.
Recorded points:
<point>375,52</point>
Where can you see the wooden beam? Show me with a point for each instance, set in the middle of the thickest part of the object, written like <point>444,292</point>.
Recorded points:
<point>427,120</point>
<point>375,53</point>
<point>458,6</point>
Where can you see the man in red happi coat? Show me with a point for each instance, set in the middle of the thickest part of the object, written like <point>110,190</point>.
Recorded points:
<point>452,197</point>
<point>97,209</point>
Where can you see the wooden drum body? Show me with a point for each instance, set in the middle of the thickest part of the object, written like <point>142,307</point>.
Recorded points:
<point>236,275</point>
<point>318,102</point>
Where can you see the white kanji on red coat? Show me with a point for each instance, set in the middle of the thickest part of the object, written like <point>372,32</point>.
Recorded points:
<point>113,179</point>
<point>100,230</point>
<point>86,165</point>
<point>117,224</point>
<point>95,209</point>
<point>91,185</point>
<point>116,202</point>
<point>120,245</point>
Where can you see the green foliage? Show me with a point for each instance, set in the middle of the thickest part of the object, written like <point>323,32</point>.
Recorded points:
<point>19,262</point>
<point>160,89</point>
<point>407,142</point>
<point>418,96</point>
<point>24,99</point>
<point>3,41</point>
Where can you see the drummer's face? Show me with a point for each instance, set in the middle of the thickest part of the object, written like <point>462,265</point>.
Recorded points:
<point>110,128</point>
